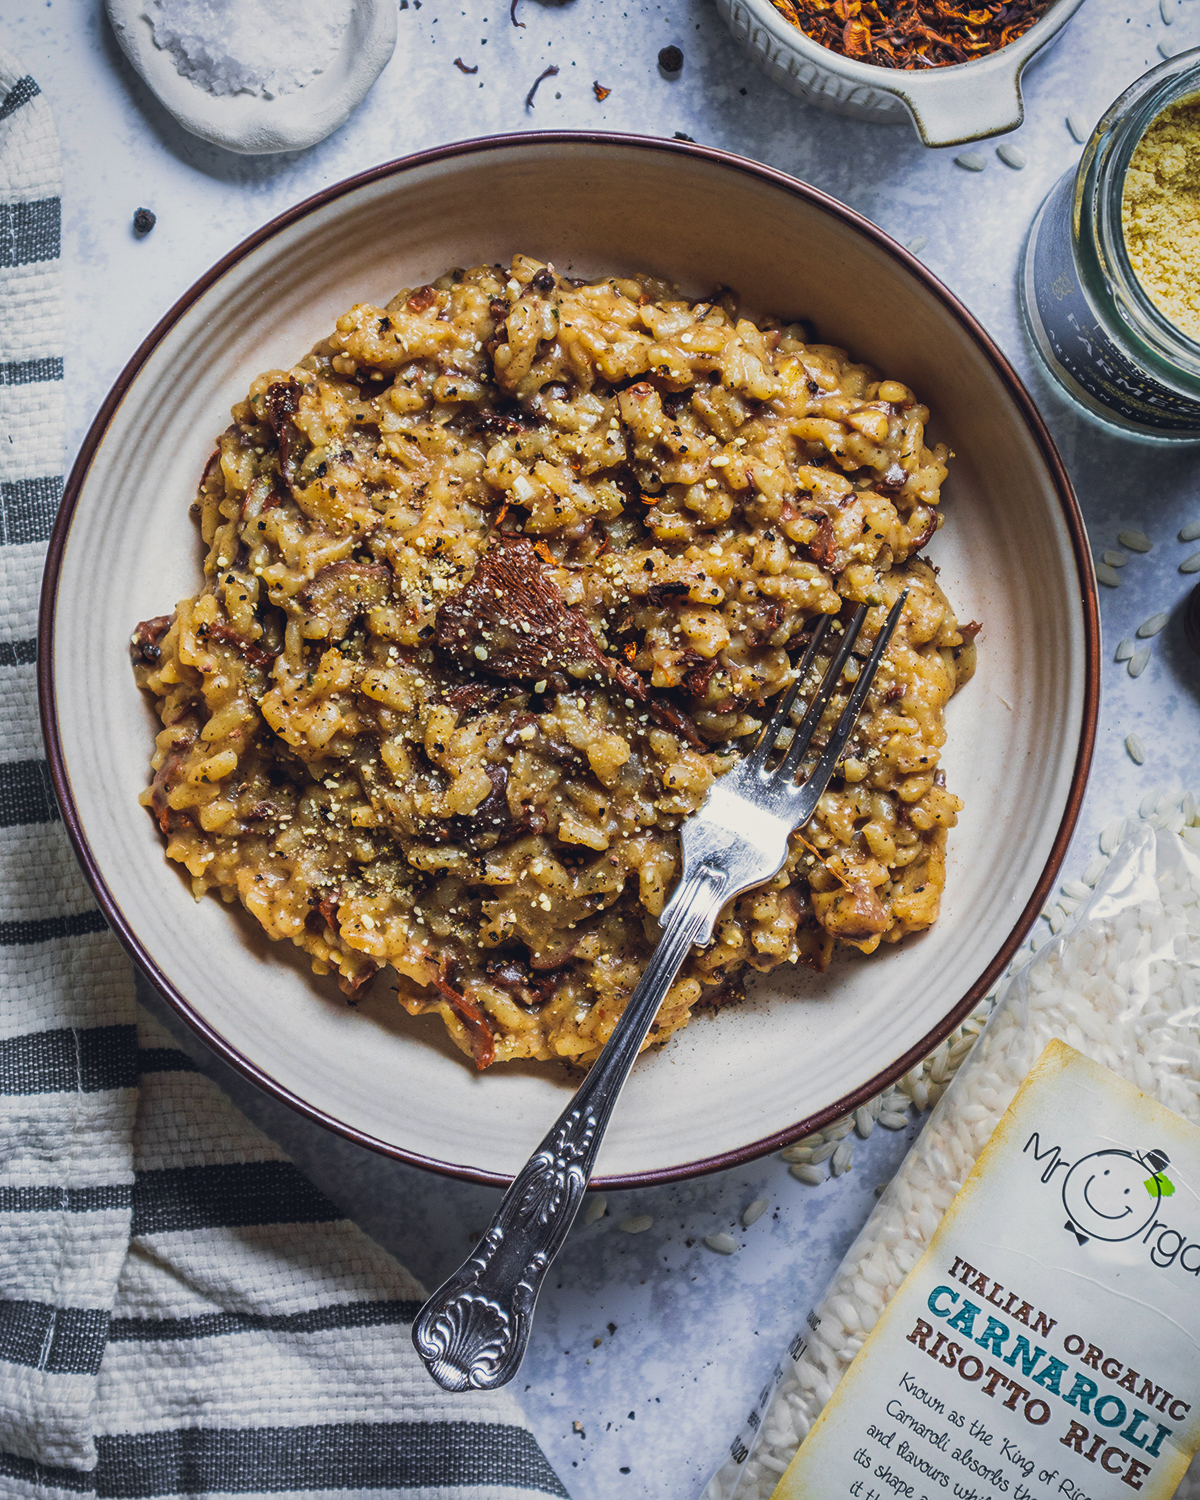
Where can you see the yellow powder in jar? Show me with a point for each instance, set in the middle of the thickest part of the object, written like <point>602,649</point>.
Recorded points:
<point>1160,214</point>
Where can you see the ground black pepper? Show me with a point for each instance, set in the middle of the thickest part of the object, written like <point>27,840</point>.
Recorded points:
<point>144,220</point>
<point>670,59</point>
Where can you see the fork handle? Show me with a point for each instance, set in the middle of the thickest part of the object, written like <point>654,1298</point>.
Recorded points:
<point>471,1334</point>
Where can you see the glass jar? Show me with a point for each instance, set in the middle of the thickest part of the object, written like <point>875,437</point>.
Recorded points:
<point>1100,335</point>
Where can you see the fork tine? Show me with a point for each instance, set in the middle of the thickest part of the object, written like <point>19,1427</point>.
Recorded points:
<point>786,769</point>
<point>832,753</point>
<point>754,761</point>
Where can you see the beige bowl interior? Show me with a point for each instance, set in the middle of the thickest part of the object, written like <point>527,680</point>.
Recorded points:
<point>802,1044</point>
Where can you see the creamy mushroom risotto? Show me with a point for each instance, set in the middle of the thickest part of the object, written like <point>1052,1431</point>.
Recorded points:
<point>498,579</point>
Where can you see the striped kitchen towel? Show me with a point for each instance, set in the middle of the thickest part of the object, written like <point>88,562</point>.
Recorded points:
<point>181,1312</point>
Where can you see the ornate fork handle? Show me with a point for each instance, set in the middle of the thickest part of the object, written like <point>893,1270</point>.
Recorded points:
<point>472,1332</point>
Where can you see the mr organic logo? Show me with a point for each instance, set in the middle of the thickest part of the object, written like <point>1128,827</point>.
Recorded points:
<point>1115,1196</point>
<point>1109,1196</point>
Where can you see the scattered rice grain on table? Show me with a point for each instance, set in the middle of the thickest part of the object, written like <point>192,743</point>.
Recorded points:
<point>755,1211</point>
<point>1077,127</point>
<point>596,1209</point>
<point>722,1243</point>
<point>1138,661</point>
<point>1190,532</point>
<point>1108,576</point>
<point>1125,649</point>
<point>971,161</point>
<point>1012,156</point>
<point>1153,625</point>
<point>1190,564</point>
<point>806,1172</point>
<point>1135,541</point>
<point>638,1224</point>
<point>1137,751</point>
<point>1115,559</point>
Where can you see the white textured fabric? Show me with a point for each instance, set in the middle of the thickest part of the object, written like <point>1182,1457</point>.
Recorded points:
<point>181,1312</point>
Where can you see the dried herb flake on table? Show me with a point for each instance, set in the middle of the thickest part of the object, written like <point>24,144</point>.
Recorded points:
<point>550,72</point>
<point>902,34</point>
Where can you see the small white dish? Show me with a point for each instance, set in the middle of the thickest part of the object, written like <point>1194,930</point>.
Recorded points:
<point>804,1048</point>
<point>249,123</point>
<point>949,106</point>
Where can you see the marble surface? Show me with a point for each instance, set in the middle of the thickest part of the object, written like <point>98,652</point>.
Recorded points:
<point>647,1348</point>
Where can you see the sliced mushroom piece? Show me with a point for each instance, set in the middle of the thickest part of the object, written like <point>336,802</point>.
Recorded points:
<point>144,649</point>
<point>345,591</point>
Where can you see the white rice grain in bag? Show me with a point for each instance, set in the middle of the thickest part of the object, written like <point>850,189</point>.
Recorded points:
<point>1034,1332</point>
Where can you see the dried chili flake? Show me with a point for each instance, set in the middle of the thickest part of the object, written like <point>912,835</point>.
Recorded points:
<point>910,34</point>
<point>462,67</point>
<point>600,92</point>
<point>474,1018</point>
<point>550,72</point>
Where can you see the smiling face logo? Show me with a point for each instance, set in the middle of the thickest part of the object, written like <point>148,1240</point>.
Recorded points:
<point>1113,1195</point>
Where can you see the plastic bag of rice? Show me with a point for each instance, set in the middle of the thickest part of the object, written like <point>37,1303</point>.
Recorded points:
<point>1020,1316</point>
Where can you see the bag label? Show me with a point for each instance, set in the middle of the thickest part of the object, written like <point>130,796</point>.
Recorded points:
<point>1048,1341</point>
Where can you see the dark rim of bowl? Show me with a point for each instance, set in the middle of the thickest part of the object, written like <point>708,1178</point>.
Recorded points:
<point>1021,398</point>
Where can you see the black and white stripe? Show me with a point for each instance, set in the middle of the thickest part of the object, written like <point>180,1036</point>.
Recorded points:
<point>182,1314</point>
<point>68,1044</point>
<point>246,1296</point>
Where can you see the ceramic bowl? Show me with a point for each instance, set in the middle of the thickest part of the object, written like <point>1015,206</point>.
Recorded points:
<point>948,106</point>
<point>248,123</point>
<point>803,1048</point>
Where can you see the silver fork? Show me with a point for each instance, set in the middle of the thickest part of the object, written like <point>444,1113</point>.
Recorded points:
<point>472,1332</point>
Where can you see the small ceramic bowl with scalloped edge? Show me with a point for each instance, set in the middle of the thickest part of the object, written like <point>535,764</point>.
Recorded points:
<point>948,105</point>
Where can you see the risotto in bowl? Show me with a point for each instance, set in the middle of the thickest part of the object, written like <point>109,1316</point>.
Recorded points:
<point>499,580</point>
<point>514,537</point>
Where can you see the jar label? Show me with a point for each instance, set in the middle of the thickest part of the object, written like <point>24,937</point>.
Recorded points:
<point>1046,1344</point>
<point>1079,344</point>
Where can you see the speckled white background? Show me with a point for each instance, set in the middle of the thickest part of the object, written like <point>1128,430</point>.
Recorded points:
<point>651,1343</point>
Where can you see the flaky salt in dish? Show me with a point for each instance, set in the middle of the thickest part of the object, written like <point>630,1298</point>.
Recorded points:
<point>273,47</point>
